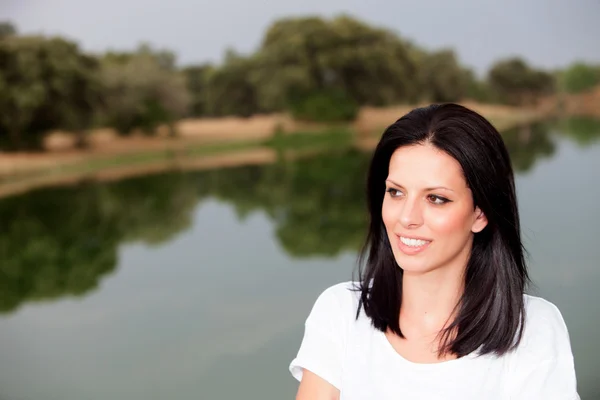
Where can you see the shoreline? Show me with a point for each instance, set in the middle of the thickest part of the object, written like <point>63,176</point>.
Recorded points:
<point>135,156</point>
<point>254,155</point>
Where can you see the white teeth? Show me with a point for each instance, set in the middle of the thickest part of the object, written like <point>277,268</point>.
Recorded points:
<point>413,242</point>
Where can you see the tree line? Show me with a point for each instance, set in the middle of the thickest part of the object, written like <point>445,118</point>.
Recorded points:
<point>314,68</point>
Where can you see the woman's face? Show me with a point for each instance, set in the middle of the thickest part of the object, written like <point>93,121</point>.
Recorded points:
<point>428,210</point>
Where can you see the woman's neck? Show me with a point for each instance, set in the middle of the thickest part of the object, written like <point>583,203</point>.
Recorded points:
<point>429,299</point>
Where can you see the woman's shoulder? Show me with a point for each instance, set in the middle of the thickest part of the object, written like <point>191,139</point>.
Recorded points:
<point>336,304</point>
<point>326,334</point>
<point>340,298</point>
<point>345,291</point>
<point>542,313</point>
<point>545,335</point>
<point>542,367</point>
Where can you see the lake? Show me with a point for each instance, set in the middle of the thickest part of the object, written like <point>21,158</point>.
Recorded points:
<point>196,285</point>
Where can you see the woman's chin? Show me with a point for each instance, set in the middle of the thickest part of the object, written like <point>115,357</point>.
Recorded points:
<point>414,265</point>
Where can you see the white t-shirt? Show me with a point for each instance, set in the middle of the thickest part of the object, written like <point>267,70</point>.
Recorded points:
<point>359,360</point>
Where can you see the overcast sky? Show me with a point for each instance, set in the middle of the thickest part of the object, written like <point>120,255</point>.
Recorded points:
<point>547,33</point>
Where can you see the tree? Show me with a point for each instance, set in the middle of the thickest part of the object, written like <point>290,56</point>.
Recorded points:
<point>74,91</point>
<point>375,66</point>
<point>579,77</point>
<point>165,59</point>
<point>230,90</point>
<point>325,105</point>
<point>310,54</point>
<point>197,85</point>
<point>140,91</point>
<point>22,90</point>
<point>45,84</point>
<point>7,29</point>
<point>517,83</point>
<point>443,79</point>
<point>479,89</point>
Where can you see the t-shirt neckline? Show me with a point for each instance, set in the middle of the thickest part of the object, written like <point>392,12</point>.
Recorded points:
<point>415,365</point>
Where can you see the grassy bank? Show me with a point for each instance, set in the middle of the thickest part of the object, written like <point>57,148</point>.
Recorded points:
<point>182,156</point>
<point>96,162</point>
<point>127,156</point>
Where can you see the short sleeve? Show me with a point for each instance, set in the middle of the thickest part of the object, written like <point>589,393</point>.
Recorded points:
<point>547,380</point>
<point>545,368</point>
<point>323,344</point>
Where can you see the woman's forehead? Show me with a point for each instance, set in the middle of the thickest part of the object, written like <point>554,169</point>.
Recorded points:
<point>426,164</point>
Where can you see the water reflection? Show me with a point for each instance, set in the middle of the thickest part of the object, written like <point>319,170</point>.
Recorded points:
<point>187,282</point>
<point>528,144</point>
<point>63,241</point>
<point>583,130</point>
<point>316,204</point>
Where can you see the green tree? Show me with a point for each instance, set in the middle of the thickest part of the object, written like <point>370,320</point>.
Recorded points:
<point>165,59</point>
<point>579,77</point>
<point>45,84</point>
<point>442,77</point>
<point>374,66</point>
<point>310,54</point>
<point>479,89</point>
<point>197,85</point>
<point>7,29</point>
<point>141,90</point>
<point>517,83</point>
<point>326,105</point>
<point>230,90</point>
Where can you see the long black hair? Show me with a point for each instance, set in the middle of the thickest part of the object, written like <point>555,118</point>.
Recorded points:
<point>490,315</point>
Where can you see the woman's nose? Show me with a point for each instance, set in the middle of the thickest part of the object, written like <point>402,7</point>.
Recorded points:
<point>411,214</point>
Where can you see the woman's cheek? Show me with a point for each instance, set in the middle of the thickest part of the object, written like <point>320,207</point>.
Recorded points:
<point>387,214</point>
<point>446,221</point>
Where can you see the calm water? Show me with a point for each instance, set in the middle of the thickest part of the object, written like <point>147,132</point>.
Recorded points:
<point>188,286</point>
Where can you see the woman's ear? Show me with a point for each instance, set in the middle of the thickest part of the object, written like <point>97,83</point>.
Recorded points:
<point>480,221</point>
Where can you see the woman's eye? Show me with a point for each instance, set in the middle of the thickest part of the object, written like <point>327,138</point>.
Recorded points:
<point>437,199</point>
<point>394,192</point>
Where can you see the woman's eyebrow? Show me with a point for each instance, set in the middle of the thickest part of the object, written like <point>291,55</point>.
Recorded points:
<point>426,189</point>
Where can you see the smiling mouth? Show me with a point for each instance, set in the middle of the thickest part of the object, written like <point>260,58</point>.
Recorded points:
<point>414,242</point>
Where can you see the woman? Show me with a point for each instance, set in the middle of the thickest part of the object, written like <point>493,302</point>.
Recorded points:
<point>439,311</point>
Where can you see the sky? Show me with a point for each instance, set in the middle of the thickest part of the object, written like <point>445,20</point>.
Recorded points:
<point>547,33</point>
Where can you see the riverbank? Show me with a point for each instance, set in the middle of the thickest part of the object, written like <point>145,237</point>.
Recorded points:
<point>105,146</point>
<point>206,156</point>
<point>209,143</point>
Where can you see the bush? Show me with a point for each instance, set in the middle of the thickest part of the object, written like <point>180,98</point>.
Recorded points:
<point>580,77</point>
<point>324,106</point>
